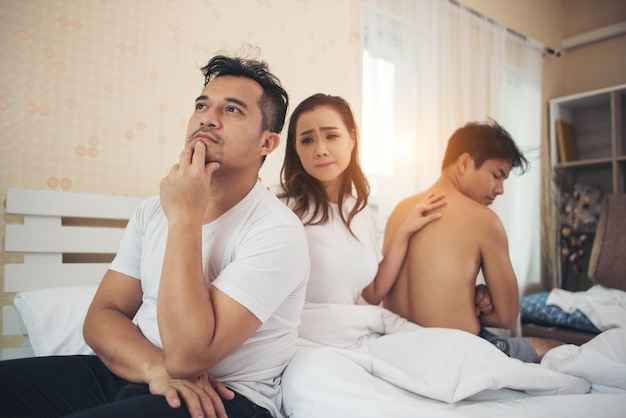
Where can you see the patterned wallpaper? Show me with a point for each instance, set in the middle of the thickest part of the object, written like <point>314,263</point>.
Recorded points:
<point>95,94</point>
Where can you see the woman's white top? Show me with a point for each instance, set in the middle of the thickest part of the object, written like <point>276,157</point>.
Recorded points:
<point>341,265</point>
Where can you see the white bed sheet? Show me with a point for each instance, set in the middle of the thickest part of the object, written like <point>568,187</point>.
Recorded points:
<point>364,361</point>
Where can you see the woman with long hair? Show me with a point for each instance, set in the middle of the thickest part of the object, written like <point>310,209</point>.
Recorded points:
<point>323,183</point>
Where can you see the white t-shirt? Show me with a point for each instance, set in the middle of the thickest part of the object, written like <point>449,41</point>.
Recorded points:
<point>342,266</point>
<point>257,254</point>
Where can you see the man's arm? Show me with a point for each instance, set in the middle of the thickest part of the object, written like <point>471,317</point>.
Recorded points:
<point>499,277</point>
<point>482,300</point>
<point>198,326</point>
<point>110,332</point>
<point>121,346</point>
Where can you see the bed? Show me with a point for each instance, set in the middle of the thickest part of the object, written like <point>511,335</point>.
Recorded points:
<point>365,361</point>
<point>352,361</point>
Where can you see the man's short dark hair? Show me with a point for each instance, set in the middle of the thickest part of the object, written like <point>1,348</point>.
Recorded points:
<point>484,141</point>
<point>274,101</point>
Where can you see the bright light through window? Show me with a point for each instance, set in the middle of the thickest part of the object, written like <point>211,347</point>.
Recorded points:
<point>377,132</point>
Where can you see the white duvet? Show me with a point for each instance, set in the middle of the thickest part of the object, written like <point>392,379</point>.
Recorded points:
<point>361,360</point>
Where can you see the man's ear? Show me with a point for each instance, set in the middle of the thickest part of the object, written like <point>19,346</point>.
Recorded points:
<point>463,162</point>
<point>269,143</point>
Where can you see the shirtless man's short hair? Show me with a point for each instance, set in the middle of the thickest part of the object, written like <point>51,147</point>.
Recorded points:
<point>436,285</point>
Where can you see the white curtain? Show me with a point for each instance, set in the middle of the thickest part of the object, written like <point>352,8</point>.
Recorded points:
<point>429,67</point>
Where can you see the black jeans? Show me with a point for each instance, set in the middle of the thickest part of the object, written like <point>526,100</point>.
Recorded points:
<point>82,386</point>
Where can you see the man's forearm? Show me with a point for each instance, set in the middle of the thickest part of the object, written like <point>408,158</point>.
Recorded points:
<point>506,321</point>
<point>122,347</point>
<point>185,309</point>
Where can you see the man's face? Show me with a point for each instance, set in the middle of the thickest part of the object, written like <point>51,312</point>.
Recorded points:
<point>487,182</point>
<point>227,119</point>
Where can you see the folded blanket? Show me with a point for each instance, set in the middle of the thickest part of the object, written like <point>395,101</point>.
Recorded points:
<point>534,309</point>
<point>604,307</point>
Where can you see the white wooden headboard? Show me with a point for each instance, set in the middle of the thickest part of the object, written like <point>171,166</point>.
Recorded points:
<point>57,226</point>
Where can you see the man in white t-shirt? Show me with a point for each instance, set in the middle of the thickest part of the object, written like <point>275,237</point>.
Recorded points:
<point>198,313</point>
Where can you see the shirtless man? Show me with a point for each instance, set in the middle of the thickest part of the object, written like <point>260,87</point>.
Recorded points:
<point>436,285</point>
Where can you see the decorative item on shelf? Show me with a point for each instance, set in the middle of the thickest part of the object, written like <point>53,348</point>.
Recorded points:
<point>572,248</point>
<point>586,207</point>
<point>566,140</point>
<point>580,211</point>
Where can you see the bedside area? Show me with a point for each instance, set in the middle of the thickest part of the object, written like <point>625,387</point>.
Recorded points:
<point>576,317</point>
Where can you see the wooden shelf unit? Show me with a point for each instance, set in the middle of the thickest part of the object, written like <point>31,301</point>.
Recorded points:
<point>599,121</point>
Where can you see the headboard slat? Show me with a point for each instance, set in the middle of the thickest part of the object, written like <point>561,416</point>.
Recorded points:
<point>62,239</point>
<point>11,322</point>
<point>22,277</point>
<point>70,204</point>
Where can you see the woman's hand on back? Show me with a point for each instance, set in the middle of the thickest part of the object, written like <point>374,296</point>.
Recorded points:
<point>421,214</point>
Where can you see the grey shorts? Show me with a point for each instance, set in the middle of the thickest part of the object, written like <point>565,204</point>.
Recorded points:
<point>515,347</point>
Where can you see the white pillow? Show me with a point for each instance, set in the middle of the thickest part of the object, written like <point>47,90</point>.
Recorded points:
<point>54,318</point>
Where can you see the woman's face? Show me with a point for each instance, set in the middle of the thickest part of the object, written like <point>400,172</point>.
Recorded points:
<point>324,146</point>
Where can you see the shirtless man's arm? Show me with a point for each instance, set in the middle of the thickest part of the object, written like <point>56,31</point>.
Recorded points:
<point>482,300</point>
<point>499,276</point>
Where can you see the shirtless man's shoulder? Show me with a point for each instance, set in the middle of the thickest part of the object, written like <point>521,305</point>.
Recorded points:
<point>457,204</point>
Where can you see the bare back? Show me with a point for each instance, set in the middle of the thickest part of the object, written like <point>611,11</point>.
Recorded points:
<point>436,285</point>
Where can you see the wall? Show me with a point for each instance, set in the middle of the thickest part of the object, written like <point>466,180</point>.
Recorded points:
<point>589,67</point>
<point>95,94</point>
<point>600,64</point>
